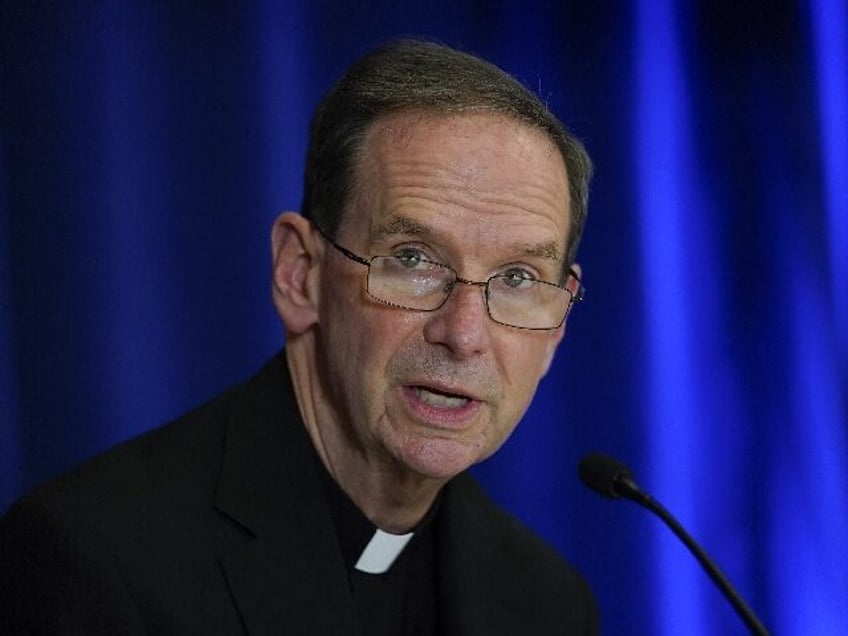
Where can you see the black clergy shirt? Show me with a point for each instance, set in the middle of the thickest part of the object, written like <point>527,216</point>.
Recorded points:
<point>403,600</point>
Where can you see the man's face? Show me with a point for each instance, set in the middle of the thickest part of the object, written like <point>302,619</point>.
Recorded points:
<point>431,393</point>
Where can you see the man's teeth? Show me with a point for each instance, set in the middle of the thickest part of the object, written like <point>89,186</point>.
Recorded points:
<point>440,400</point>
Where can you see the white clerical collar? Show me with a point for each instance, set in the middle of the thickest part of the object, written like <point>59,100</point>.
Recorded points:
<point>381,552</point>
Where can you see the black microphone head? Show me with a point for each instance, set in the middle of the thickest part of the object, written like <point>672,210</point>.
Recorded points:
<point>603,474</point>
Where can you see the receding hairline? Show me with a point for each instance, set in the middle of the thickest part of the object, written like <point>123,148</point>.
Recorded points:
<point>401,120</point>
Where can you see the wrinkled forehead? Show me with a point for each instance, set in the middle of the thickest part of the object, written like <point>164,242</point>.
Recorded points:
<point>477,151</point>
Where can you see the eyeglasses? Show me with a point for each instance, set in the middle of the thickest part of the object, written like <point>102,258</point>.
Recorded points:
<point>408,281</point>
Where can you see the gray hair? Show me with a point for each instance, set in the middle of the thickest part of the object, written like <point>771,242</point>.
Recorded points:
<point>423,76</point>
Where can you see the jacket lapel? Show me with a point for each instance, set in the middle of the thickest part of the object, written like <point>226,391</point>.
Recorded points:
<point>464,574</point>
<point>289,576</point>
<point>475,567</point>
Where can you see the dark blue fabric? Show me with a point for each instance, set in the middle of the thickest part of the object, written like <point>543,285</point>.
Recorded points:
<point>147,148</point>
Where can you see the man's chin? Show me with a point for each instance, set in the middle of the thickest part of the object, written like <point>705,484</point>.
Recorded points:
<point>439,459</point>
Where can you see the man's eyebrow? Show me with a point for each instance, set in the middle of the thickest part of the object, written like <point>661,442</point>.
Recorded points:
<point>549,250</point>
<point>401,225</point>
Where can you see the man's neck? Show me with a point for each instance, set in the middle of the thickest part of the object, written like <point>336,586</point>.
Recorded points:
<point>394,499</point>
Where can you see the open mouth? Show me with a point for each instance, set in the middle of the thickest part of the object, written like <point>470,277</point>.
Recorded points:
<point>440,399</point>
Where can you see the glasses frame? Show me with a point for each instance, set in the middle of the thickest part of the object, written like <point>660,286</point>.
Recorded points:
<point>576,297</point>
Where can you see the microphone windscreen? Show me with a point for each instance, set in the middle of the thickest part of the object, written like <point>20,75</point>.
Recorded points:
<point>601,473</point>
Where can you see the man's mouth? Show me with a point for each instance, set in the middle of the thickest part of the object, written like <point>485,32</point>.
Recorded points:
<point>440,399</point>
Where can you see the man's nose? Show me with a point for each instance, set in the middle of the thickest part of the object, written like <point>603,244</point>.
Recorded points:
<point>462,324</point>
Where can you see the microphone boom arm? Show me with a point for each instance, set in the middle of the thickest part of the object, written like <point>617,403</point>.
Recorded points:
<point>610,478</point>
<point>627,488</point>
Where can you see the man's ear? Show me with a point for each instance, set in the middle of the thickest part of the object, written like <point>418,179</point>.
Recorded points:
<point>557,335</point>
<point>573,284</point>
<point>296,271</point>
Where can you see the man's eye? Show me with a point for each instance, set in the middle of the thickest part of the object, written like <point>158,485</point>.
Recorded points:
<point>409,258</point>
<point>516,277</point>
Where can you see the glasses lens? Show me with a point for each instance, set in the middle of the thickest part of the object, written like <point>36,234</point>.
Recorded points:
<point>420,285</point>
<point>530,304</point>
<point>424,285</point>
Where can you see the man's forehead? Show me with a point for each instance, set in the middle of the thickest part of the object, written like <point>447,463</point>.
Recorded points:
<point>393,138</point>
<point>390,137</point>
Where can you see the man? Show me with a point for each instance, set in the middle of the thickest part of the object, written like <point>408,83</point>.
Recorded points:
<point>424,291</point>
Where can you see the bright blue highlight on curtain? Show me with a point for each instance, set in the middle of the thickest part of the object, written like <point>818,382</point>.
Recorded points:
<point>818,456</point>
<point>673,299</point>
<point>821,348</point>
<point>830,38</point>
<point>147,148</point>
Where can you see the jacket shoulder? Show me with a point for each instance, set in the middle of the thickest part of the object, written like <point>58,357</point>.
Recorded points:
<point>169,466</point>
<point>129,541</point>
<point>509,567</point>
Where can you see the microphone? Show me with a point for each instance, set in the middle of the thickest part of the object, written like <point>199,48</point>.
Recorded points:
<point>609,477</point>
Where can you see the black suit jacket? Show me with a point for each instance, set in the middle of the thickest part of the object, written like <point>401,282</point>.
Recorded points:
<point>218,524</point>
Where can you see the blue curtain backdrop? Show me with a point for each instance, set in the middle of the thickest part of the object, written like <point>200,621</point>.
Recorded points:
<point>147,146</point>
